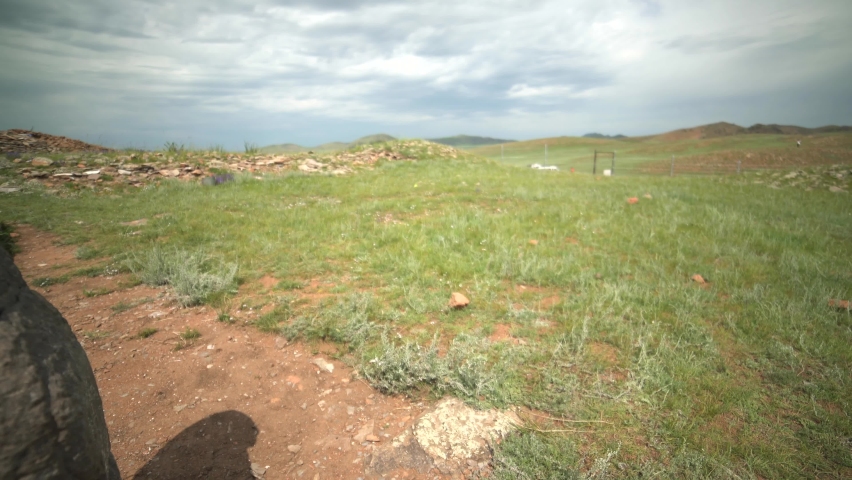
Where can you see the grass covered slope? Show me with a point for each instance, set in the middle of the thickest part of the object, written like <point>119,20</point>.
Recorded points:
<point>597,321</point>
<point>719,154</point>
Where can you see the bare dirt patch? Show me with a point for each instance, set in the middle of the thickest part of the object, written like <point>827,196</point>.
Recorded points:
<point>232,403</point>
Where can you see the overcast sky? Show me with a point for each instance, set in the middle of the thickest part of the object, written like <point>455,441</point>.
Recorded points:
<point>138,73</point>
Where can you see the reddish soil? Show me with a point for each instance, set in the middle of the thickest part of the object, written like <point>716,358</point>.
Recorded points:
<point>233,399</point>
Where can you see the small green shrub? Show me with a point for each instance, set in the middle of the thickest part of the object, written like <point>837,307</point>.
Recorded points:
<point>187,337</point>
<point>146,332</point>
<point>404,368</point>
<point>48,281</point>
<point>190,274</point>
<point>190,334</point>
<point>270,322</point>
<point>535,456</point>
<point>96,292</point>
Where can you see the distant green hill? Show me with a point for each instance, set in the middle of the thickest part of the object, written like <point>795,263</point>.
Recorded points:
<point>381,137</point>
<point>468,141</point>
<point>325,147</point>
<point>283,148</point>
<point>600,135</point>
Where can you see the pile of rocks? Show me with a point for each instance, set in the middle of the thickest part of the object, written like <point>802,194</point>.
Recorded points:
<point>103,169</point>
<point>25,141</point>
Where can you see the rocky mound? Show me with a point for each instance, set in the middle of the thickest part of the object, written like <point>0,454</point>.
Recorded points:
<point>142,168</point>
<point>25,141</point>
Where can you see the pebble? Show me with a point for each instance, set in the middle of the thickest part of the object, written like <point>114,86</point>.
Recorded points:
<point>294,449</point>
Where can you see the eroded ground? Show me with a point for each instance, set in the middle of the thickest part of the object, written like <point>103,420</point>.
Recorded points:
<point>233,403</point>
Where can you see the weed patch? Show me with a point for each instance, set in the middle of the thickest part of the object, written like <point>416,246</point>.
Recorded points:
<point>97,292</point>
<point>192,275</point>
<point>44,282</point>
<point>146,332</point>
<point>86,253</point>
<point>123,306</point>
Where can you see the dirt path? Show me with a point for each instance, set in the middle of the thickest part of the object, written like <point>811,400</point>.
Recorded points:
<point>233,402</point>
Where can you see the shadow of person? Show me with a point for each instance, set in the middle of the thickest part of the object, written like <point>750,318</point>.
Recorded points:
<point>215,447</point>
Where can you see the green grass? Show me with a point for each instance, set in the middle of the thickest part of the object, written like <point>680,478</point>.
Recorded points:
<point>747,376</point>
<point>97,292</point>
<point>190,274</point>
<point>187,337</point>
<point>44,282</point>
<point>653,155</point>
<point>190,334</point>
<point>123,306</point>
<point>146,332</point>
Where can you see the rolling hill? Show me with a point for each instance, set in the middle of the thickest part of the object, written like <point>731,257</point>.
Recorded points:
<point>325,147</point>
<point>600,135</point>
<point>468,141</point>
<point>725,129</point>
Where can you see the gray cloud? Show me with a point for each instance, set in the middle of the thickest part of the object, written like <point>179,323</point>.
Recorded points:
<point>223,71</point>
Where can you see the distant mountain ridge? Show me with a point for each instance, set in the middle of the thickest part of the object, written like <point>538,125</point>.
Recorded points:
<point>325,147</point>
<point>600,135</point>
<point>468,141</point>
<point>724,129</point>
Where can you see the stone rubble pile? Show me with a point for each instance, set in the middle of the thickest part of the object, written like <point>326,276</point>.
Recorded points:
<point>25,141</point>
<point>140,168</point>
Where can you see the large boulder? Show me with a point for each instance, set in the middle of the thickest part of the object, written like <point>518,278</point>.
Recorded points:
<point>52,420</point>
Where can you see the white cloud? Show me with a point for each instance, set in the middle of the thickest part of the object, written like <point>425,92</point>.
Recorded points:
<point>429,65</point>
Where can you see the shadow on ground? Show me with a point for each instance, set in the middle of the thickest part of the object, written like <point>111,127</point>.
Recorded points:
<point>215,447</point>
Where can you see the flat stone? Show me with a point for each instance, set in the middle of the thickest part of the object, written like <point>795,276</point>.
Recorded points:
<point>294,448</point>
<point>41,162</point>
<point>457,300</point>
<point>323,364</point>
<point>135,223</point>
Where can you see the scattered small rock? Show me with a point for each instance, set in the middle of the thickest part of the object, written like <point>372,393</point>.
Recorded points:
<point>533,242</point>
<point>458,301</point>
<point>698,279</point>
<point>257,470</point>
<point>323,364</point>
<point>294,448</point>
<point>135,223</point>
<point>41,162</point>
<point>834,189</point>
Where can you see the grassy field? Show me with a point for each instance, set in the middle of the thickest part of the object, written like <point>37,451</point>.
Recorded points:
<point>583,306</point>
<point>652,155</point>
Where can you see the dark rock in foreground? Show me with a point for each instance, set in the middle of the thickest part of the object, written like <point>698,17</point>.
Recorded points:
<point>52,420</point>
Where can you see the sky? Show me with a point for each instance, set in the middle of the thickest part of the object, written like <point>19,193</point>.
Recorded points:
<point>139,73</point>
